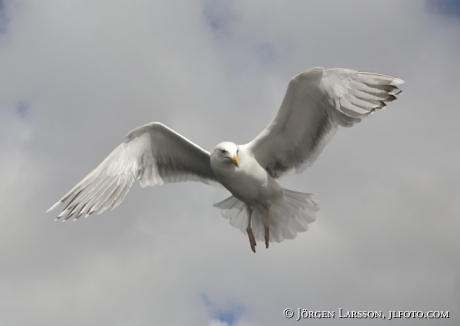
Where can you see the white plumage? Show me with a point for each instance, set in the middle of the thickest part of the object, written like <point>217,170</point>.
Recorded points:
<point>316,103</point>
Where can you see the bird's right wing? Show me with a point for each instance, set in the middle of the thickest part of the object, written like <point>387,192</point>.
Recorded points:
<point>153,154</point>
<point>316,103</point>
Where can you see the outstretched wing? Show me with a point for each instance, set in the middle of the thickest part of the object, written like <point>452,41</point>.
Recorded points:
<point>316,102</point>
<point>153,154</point>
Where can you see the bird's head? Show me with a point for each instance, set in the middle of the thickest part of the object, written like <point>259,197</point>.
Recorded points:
<point>226,153</point>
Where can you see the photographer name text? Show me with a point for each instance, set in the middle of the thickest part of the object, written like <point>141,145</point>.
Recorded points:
<point>302,313</point>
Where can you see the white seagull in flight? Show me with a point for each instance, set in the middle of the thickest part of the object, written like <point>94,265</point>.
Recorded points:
<point>316,103</point>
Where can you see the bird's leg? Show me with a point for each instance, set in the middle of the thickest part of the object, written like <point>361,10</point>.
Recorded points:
<point>267,231</point>
<point>252,240</point>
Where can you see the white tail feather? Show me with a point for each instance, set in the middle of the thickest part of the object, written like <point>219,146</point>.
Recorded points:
<point>287,217</point>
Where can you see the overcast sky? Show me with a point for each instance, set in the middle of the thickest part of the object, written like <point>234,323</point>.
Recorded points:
<point>76,76</point>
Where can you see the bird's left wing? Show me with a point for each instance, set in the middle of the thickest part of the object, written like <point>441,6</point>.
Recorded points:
<point>316,103</point>
<point>153,154</point>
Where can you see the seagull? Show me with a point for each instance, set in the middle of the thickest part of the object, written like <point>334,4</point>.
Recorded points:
<point>316,103</point>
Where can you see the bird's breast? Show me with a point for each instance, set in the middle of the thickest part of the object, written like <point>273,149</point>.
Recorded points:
<point>249,183</point>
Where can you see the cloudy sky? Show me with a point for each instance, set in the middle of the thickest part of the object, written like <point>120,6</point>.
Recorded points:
<point>76,76</point>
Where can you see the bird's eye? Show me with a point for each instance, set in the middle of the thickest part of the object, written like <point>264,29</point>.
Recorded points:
<point>237,151</point>
<point>223,151</point>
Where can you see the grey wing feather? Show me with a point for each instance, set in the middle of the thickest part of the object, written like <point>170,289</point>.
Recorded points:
<point>153,154</point>
<point>316,103</point>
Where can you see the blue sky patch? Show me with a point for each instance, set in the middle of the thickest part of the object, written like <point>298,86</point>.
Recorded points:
<point>229,313</point>
<point>219,16</point>
<point>23,109</point>
<point>3,17</point>
<point>445,7</point>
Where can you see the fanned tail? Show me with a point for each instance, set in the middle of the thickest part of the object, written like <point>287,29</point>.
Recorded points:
<point>288,216</point>
<point>234,210</point>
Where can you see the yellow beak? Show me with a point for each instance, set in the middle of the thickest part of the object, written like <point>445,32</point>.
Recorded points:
<point>235,161</point>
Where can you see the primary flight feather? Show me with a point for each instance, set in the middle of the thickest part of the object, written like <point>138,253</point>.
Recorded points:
<point>316,103</point>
